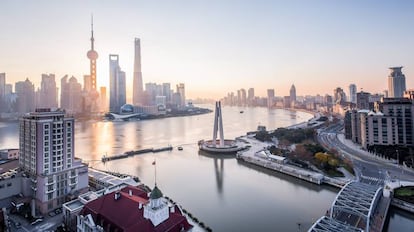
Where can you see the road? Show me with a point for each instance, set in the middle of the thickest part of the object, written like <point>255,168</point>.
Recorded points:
<point>368,168</point>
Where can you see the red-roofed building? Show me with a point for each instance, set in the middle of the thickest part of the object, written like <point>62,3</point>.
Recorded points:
<point>132,209</point>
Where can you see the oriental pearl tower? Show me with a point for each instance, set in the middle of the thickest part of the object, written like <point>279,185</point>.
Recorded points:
<point>92,56</point>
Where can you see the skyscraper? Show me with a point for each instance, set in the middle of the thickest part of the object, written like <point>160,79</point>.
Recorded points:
<point>270,98</point>
<point>181,91</point>
<point>47,151</point>
<point>137,89</point>
<point>292,94</point>
<point>250,96</point>
<point>396,82</point>
<point>2,85</point>
<point>117,84</point>
<point>25,96</point>
<point>71,95</point>
<point>48,92</point>
<point>352,93</point>
<point>339,96</point>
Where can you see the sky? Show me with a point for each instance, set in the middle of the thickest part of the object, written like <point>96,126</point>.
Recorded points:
<point>214,46</point>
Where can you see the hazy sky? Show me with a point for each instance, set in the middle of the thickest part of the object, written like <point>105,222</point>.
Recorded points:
<point>214,47</point>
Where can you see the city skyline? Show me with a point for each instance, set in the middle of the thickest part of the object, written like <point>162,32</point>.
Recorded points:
<point>214,47</point>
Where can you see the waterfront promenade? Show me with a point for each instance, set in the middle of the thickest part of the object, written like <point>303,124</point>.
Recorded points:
<point>251,155</point>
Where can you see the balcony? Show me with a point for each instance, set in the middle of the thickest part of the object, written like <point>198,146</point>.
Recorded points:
<point>49,191</point>
<point>50,183</point>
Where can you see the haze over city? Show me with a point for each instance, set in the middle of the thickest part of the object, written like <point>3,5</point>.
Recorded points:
<point>213,46</point>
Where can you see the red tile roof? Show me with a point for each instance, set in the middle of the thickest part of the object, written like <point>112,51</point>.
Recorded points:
<point>124,214</point>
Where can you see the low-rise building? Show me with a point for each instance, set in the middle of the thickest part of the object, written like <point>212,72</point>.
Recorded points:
<point>9,154</point>
<point>136,210</point>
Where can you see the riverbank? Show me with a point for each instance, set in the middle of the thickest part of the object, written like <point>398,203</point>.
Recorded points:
<point>255,154</point>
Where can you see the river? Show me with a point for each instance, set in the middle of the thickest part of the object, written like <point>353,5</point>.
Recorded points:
<point>225,194</point>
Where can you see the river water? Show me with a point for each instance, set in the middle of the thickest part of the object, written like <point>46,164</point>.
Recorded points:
<point>227,195</point>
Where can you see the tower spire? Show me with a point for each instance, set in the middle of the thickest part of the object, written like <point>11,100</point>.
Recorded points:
<point>92,39</point>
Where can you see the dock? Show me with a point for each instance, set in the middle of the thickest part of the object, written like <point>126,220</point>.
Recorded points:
<point>136,152</point>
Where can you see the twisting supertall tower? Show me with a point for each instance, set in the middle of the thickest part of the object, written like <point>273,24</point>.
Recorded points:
<point>137,89</point>
<point>92,56</point>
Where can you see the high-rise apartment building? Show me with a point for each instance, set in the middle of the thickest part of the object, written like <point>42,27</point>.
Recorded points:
<point>396,82</point>
<point>25,96</point>
<point>352,93</point>
<point>137,89</point>
<point>48,92</point>
<point>117,84</point>
<point>47,156</point>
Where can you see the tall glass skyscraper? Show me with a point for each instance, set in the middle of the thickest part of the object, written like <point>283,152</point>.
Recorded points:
<point>117,84</point>
<point>137,89</point>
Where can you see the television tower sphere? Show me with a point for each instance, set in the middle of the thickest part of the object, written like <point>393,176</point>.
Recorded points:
<point>92,55</point>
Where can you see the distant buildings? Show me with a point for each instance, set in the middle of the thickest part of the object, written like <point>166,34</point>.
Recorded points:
<point>117,84</point>
<point>71,95</point>
<point>2,85</point>
<point>292,94</point>
<point>47,156</point>
<point>137,86</point>
<point>396,82</point>
<point>363,100</point>
<point>270,98</point>
<point>250,97</point>
<point>181,93</point>
<point>25,92</point>
<point>339,96</point>
<point>48,93</point>
<point>352,93</point>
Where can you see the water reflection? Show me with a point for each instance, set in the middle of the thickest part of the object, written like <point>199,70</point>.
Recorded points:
<point>218,160</point>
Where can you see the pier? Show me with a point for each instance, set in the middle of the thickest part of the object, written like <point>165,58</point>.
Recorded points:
<point>137,152</point>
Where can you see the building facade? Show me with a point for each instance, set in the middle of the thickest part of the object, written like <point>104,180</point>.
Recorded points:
<point>396,82</point>
<point>378,129</point>
<point>47,157</point>
<point>403,110</point>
